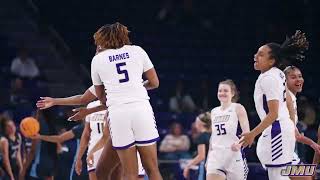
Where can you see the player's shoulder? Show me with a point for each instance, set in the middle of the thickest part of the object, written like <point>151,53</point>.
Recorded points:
<point>270,77</point>
<point>134,47</point>
<point>137,49</point>
<point>239,107</point>
<point>215,109</point>
<point>273,73</point>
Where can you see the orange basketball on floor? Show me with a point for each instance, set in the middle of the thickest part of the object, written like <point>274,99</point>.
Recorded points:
<point>29,126</point>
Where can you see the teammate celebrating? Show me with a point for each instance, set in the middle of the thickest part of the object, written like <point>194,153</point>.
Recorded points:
<point>276,144</point>
<point>295,83</point>
<point>224,140</point>
<point>119,68</point>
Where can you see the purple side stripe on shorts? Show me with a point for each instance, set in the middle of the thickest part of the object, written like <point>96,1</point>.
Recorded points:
<point>123,147</point>
<point>148,141</point>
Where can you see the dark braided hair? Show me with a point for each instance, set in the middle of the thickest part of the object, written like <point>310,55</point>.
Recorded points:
<point>112,36</point>
<point>291,50</point>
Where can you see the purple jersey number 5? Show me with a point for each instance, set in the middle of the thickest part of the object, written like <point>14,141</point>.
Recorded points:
<point>123,71</point>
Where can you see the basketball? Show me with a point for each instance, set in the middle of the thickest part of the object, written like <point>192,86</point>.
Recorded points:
<point>29,126</point>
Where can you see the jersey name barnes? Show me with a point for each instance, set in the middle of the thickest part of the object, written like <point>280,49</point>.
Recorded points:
<point>118,57</point>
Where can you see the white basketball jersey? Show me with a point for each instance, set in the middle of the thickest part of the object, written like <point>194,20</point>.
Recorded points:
<point>120,71</point>
<point>97,122</point>
<point>271,85</point>
<point>295,107</point>
<point>224,126</point>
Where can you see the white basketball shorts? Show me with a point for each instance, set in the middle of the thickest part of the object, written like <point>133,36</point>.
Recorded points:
<point>132,124</point>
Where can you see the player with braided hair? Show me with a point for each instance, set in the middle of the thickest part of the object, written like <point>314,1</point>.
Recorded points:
<point>275,146</point>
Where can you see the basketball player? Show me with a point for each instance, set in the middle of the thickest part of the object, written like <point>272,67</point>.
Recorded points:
<point>92,159</point>
<point>14,142</point>
<point>74,133</point>
<point>275,146</point>
<point>40,160</point>
<point>203,125</point>
<point>224,140</point>
<point>294,84</point>
<point>5,151</point>
<point>108,166</point>
<point>93,130</point>
<point>119,67</point>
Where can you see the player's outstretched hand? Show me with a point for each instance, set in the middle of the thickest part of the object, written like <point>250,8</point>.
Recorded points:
<point>45,102</point>
<point>78,166</point>
<point>247,139</point>
<point>316,148</point>
<point>81,113</point>
<point>90,159</point>
<point>186,172</point>
<point>37,136</point>
<point>235,147</point>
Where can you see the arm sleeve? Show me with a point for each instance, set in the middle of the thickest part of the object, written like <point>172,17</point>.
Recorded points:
<point>147,64</point>
<point>93,90</point>
<point>77,131</point>
<point>96,80</point>
<point>271,88</point>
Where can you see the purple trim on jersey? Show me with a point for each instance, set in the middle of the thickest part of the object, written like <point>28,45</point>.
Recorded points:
<point>277,165</point>
<point>148,141</point>
<point>140,175</point>
<point>239,130</point>
<point>89,171</point>
<point>123,147</point>
<point>222,171</point>
<point>265,104</point>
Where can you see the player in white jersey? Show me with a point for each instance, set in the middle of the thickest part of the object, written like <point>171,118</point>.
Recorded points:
<point>119,68</point>
<point>108,164</point>
<point>275,146</point>
<point>93,130</point>
<point>295,83</point>
<point>225,159</point>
